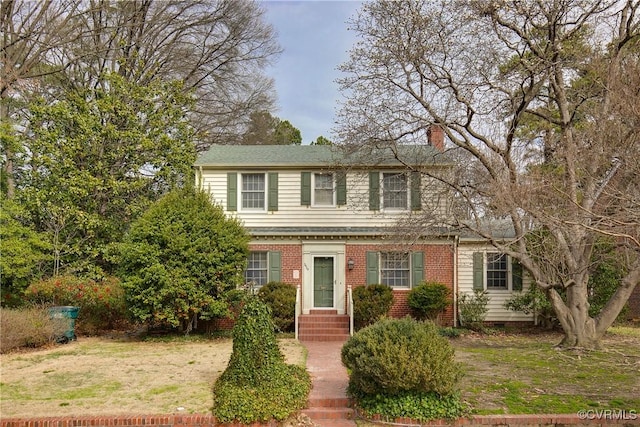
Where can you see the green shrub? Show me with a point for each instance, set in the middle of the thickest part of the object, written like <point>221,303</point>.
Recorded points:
<point>281,299</point>
<point>428,300</point>
<point>394,356</point>
<point>472,309</point>
<point>449,332</point>
<point>28,327</point>
<point>417,406</point>
<point>102,303</point>
<point>257,384</point>
<point>371,303</point>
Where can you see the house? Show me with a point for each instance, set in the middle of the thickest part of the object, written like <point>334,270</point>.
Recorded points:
<point>326,221</point>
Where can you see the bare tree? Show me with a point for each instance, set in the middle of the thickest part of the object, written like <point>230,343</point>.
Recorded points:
<point>218,48</point>
<point>540,100</point>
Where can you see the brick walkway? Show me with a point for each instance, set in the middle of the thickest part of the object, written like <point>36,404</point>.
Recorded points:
<point>328,402</point>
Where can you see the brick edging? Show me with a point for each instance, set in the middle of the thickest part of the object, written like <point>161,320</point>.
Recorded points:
<point>591,418</point>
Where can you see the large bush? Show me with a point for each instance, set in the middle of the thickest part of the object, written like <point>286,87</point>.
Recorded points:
<point>371,303</point>
<point>102,303</point>
<point>180,258</point>
<point>257,384</point>
<point>394,356</point>
<point>28,327</point>
<point>281,299</point>
<point>428,300</point>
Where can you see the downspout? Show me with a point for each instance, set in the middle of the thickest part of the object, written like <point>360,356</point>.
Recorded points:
<point>456,241</point>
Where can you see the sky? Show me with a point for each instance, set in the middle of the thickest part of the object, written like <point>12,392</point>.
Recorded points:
<point>315,41</point>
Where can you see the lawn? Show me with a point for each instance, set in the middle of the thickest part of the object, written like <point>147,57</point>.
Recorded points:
<point>504,373</point>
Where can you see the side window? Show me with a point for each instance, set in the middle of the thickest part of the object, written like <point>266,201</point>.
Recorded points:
<point>496,271</point>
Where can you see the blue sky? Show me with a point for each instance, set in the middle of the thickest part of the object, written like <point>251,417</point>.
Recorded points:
<point>315,41</point>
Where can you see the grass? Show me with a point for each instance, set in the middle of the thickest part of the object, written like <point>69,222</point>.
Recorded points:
<point>505,373</point>
<point>525,374</point>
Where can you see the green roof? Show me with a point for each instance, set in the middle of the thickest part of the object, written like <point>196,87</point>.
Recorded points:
<point>220,156</point>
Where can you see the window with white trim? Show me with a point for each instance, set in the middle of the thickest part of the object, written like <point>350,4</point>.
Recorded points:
<point>253,191</point>
<point>497,271</point>
<point>394,190</point>
<point>257,272</point>
<point>323,189</point>
<point>395,269</point>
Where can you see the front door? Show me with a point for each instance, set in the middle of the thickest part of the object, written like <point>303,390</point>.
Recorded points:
<point>323,282</point>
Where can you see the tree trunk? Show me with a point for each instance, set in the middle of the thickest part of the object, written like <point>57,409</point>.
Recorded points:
<point>579,328</point>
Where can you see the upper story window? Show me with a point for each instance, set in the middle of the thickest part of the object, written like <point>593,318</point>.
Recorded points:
<point>253,191</point>
<point>394,191</point>
<point>323,189</point>
<point>395,269</point>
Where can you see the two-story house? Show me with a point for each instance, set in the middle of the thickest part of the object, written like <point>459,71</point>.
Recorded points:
<point>327,221</point>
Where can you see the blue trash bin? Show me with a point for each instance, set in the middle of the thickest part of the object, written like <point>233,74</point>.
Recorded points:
<point>70,313</point>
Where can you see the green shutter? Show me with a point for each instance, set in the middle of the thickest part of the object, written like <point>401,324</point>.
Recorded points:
<point>417,268</point>
<point>372,268</point>
<point>374,191</point>
<point>516,275</point>
<point>273,191</point>
<point>305,188</point>
<point>478,271</point>
<point>341,189</point>
<point>232,191</point>
<point>416,196</point>
<point>275,267</point>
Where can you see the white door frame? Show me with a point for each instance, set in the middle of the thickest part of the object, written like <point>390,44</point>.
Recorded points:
<point>309,252</point>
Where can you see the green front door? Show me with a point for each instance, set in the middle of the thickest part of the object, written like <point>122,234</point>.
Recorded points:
<point>323,282</point>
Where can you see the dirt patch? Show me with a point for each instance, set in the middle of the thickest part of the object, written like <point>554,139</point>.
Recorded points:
<point>97,376</point>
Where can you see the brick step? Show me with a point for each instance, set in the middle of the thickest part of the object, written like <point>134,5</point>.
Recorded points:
<point>324,312</point>
<point>323,331</point>
<point>317,414</point>
<point>329,402</point>
<point>323,337</point>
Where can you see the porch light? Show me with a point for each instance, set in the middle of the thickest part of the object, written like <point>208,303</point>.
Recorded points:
<point>351,263</point>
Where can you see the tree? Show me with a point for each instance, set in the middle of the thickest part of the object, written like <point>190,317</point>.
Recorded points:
<point>265,129</point>
<point>179,259</point>
<point>538,101</point>
<point>98,158</point>
<point>24,251</point>
<point>321,140</point>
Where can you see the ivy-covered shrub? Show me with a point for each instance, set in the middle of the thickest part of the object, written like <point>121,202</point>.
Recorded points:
<point>396,355</point>
<point>370,304</point>
<point>102,303</point>
<point>257,384</point>
<point>472,309</point>
<point>281,299</point>
<point>417,406</point>
<point>428,300</point>
<point>28,327</point>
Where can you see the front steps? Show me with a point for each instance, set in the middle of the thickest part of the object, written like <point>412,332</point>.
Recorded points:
<point>330,412</point>
<point>323,325</point>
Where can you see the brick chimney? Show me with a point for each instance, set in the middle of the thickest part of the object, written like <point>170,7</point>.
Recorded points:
<point>435,136</point>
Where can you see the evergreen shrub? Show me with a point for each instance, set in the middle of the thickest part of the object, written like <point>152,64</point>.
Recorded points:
<point>428,300</point>
<point>472,309</point>
<point>370,304</point>
<point>281,299</point>
<point>258,385</point>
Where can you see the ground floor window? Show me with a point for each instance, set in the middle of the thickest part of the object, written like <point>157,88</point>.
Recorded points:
<point>395,269</point>
<point>257,272</point>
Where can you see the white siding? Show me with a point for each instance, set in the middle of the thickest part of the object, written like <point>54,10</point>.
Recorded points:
<point>291,213</point>
<point>497,311</point>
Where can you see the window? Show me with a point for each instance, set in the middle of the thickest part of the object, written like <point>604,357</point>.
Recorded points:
<point>394,191</point>
<point>253,191</point>
<point>323,189</point>
<point>395,269</point>
<point>497,271</point>
<point>257,269</point>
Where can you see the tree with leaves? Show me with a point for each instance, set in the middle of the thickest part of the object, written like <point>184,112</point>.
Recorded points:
<point>180,258</point>
<point>266,129</point>
<point>98,158</point>
<point>538,102</point>
<point>321,140</point>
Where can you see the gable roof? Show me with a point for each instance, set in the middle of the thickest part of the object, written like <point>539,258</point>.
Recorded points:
<point>220,156</point>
